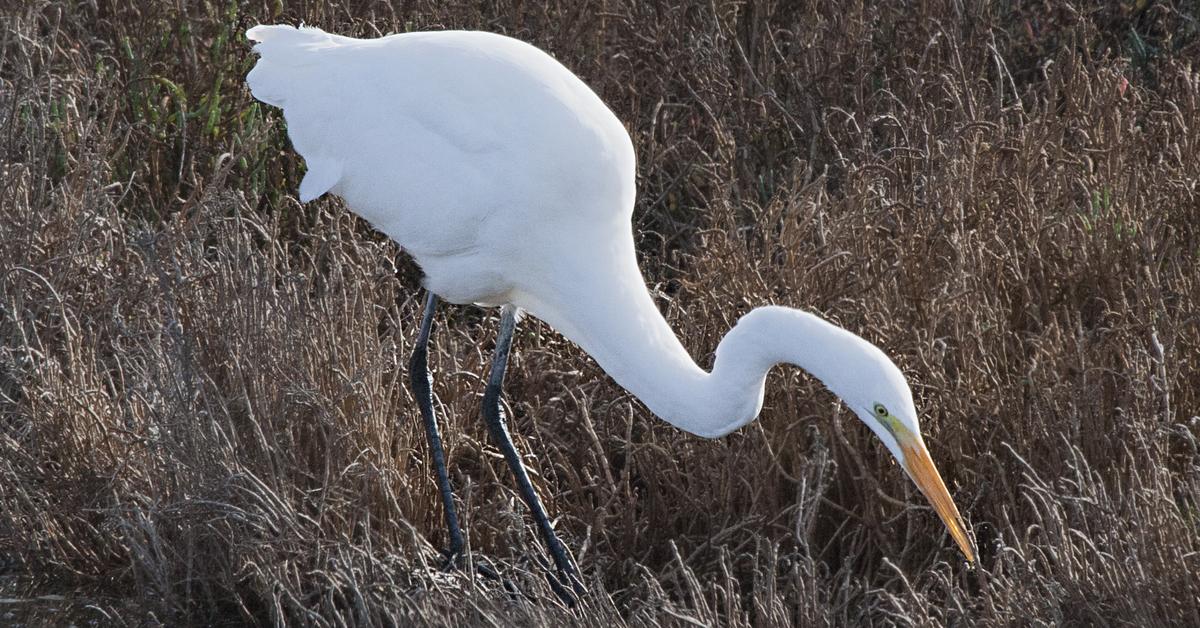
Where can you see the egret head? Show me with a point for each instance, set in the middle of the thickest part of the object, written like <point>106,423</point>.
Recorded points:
<point>883,400</point>
<point>860,374</point>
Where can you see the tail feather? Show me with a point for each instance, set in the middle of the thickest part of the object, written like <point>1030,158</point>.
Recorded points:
<point>290,75</point>
<point>281,38</point>
<point>284,51</point>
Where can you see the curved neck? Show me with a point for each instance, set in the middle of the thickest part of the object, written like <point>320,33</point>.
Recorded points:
<point>613,318</point>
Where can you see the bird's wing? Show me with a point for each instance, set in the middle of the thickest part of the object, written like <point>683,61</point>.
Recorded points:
<point>440,139</point>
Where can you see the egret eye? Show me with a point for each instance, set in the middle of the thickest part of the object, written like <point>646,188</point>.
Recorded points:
<point>881,411</point>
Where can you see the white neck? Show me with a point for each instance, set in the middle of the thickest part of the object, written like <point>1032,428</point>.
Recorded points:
<point>613,318</point>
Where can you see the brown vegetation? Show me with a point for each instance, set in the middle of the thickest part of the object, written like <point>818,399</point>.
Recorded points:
<point>203,417</point>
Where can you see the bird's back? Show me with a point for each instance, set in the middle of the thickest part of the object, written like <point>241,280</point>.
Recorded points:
<point>456,144</point>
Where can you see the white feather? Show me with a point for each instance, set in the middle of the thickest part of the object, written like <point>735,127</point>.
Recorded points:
<point>510,182</point>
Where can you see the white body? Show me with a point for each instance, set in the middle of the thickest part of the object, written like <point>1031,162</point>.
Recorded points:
<point>510,181</point>
<point>483,136</point>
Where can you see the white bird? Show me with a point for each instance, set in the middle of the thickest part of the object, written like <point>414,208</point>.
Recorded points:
<point>511,184</point>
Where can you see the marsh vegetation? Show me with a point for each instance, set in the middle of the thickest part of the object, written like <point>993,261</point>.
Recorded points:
<point>203,410</point>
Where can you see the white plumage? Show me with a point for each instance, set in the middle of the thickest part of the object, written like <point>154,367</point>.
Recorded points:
<point>453,144</point>
<point>511,183</point>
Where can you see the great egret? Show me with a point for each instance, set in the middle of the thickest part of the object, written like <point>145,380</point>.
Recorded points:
<point>512,184</point>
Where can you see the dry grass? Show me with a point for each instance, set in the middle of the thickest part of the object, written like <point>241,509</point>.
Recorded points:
<point>203,417</point>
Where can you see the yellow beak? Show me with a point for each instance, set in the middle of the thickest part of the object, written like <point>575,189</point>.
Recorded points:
<point>920,468</point>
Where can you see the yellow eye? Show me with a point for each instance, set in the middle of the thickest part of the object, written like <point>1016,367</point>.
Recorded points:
<point>881,411</point>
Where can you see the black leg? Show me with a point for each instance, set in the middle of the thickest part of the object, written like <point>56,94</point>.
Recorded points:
<point>418,371</point>
<point>493,414</point>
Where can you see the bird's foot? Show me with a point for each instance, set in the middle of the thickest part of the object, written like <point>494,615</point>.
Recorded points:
<point>564,581</point>
<point>454,559</point>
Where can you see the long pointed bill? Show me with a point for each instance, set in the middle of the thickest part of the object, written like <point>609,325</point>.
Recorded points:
<point>920,468</point>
